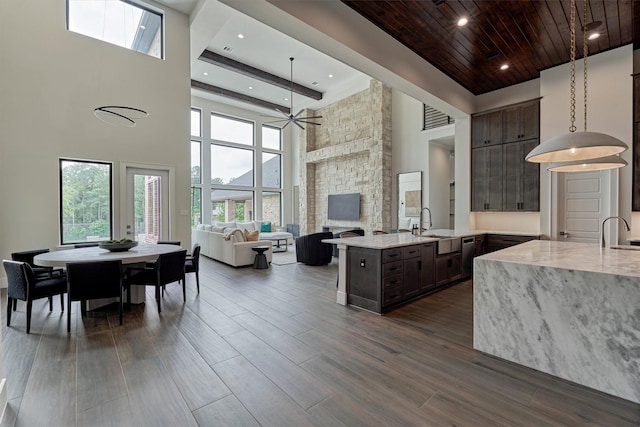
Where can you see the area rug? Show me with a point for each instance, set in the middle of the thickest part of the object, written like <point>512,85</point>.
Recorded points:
<point>284,258</point>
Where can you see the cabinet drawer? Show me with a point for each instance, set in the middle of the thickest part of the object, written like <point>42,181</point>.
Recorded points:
<point>393,292</point>
<point>391,268</point>
<point>389,255</point>
<point>411,251</point>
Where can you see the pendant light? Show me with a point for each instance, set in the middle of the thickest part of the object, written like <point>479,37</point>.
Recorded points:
<point>581,151</point>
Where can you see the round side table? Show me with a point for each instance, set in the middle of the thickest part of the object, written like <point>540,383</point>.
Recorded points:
<point>260,261</point>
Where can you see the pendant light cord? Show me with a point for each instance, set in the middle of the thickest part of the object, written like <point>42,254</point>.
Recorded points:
<point>291,88</point>
<point>585,54</point>
<point>572,90</point>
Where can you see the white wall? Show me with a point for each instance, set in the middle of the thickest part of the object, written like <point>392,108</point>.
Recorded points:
<point>610,97</point>
<point>51,80</point>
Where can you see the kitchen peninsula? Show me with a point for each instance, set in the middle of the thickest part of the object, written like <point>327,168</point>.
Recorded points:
<point>380,272</point>
<point>568,309</point>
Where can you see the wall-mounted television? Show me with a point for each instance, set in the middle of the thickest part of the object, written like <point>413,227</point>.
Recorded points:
<point>344,206</point>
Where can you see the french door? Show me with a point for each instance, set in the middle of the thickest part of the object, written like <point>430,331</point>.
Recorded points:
<point>146,206</point>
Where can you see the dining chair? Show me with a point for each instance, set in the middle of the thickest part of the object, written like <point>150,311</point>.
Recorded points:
<point>93,280</point>
<point>28,256</point>
<point>169,242</point>
<point>169,268</point>
<point>24,285</point>
<point>192,264</point>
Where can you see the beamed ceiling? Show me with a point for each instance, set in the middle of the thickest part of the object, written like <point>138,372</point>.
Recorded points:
<point>529,36</point>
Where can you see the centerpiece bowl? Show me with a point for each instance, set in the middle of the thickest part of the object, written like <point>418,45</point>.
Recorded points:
<point>117,245</point>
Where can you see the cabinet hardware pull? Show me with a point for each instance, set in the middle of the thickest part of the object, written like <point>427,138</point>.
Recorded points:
<point>419,265</point>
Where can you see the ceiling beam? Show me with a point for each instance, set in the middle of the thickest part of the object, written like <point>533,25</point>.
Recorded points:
<point>215,90</point>
<point>247,70</point>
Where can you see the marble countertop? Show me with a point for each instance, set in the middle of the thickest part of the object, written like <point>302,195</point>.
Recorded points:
<point>571,256</point>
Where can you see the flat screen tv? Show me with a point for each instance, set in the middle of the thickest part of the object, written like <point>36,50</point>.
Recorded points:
<point>344,206</point>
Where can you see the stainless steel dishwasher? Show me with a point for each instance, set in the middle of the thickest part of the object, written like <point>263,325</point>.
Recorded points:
<point>468,251</point>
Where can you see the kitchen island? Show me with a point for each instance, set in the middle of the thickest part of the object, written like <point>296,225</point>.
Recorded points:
<point>571,310</point>
<point>380,272</point>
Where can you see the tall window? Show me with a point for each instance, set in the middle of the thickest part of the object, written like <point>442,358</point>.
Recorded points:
<point>239,177</point>
<point>85,201</point>
<point>232,171</point>
<point>196,167</point>
<point>126,23</point>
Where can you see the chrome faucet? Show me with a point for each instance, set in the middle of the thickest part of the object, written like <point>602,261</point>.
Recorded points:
<point>430,224</point>
<point>626,225</point>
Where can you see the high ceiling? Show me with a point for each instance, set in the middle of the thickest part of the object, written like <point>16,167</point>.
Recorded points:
<point>528,36</point>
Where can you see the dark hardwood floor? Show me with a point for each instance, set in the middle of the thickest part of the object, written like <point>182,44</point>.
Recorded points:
<point>272,348</point>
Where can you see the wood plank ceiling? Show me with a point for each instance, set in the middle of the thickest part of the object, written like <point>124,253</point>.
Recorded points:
<point>528,36</point>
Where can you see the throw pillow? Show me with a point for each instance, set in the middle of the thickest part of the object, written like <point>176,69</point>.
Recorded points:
<point>273,226</point>
<point>265,227</point>
<point>251,236</point>
<point>207,227</point>
<point>217,229</point>
<point>200,227</point>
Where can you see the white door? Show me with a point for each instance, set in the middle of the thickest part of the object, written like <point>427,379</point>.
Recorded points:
<point>581,206</point>
<point>146,218</point>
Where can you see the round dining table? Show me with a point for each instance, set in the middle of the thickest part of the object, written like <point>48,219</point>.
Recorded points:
<point>138,254</point>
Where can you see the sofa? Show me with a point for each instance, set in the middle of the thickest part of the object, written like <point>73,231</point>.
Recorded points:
<point>226,247</point>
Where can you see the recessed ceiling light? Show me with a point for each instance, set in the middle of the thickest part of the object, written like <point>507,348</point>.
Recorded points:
<point>205,73</point>
<point>142,27</point>
<point>330,76</point>
<point>462,22</point>
<point>504,66</point>
<point>240,36</point>
<point>593,36</point>
<point>250,87</point>
<point>286,99</point>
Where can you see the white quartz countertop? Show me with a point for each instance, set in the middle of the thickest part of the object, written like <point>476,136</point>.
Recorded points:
<point>571,256</point>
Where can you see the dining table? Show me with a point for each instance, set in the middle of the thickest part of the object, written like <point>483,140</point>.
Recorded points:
<point>136,255</point>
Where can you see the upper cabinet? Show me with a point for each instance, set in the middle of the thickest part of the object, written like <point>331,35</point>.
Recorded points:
<point>486,129</point>
<point>501,179</point>
<point>521,122</point>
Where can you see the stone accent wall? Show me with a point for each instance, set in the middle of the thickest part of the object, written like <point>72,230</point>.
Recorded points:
<point>349,153</point>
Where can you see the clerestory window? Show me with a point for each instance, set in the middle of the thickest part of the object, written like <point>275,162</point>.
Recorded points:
<point>126,23</point>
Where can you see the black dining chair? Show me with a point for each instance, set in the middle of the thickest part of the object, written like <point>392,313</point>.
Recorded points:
<point>192,264</point>
<point>169,242</point>
<point>93,280</point>
<point>24,285</point>
<point>28,256</point>
<point>167,269</point>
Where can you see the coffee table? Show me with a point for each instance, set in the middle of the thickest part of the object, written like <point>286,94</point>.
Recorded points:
<point>277,237</point>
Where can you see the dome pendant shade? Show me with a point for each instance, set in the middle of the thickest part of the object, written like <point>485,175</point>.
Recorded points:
<point>576,146</point>
<point>603,163</point>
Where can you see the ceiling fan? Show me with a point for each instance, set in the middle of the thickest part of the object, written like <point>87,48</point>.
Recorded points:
<point>291,118</point>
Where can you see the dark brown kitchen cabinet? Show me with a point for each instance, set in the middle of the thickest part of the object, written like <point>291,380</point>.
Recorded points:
<point>495,242</point>
<point>448,268</point>
<point>486,129</point>
<point>521,122</point>
<point>427,267</point>
<point>381,279</point>
<point>501,180</point>
<point>486,178</point>
<point>520,179</point>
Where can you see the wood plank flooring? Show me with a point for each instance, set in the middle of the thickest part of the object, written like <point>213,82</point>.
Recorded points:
<point>272,348</point>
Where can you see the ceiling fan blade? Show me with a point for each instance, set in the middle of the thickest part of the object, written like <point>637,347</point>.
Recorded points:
<point>310,123</point>
<point>277,121</point>
<point>286,124</point>
<point>299,112</point>
<point>298,124</point>
<point>309,117</point>
<point>282,112</point>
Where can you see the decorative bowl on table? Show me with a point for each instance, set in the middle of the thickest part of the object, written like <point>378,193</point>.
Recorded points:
<point>118,245</point>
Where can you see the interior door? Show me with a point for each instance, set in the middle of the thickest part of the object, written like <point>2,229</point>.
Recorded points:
<point>581,205</point>
<point>147,205</point>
